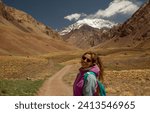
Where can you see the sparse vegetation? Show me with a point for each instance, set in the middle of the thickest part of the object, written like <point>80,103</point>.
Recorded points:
<point>19,87</point>
<point>23,75</point>
<point>124,69</point>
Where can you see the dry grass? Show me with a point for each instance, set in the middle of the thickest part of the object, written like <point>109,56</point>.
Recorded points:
<point>128,82</point>
<point>34,67</point>
<point>126,72</point>
<point>16,67</point>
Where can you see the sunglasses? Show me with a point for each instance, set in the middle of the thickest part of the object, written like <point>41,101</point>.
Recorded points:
<point>84,58</point>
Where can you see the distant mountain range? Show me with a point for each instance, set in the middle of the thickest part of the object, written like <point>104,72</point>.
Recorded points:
<point>95,23</point>
<point>85,37</point>
<point>134,33</point>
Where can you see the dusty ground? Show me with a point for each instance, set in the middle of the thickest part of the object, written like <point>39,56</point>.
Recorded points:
<point>54,86</point>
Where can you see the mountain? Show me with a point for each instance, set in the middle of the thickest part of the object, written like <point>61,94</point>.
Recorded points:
<point>85,37</point>
<point>21,34</point>
<point>86,33</point>
<point>95,23</point>
<point>134,33</point>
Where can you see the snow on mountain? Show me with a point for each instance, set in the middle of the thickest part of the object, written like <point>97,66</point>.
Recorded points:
<point>95,23</point>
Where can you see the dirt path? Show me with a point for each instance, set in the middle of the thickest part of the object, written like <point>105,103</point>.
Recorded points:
<point>54,86</point>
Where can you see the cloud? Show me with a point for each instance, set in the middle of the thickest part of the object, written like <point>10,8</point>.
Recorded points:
<point>74,16</point>
<point>125,7</point>
<point>118,11</point>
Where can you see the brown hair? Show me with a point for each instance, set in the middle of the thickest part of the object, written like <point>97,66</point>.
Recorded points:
<point>96,60</point>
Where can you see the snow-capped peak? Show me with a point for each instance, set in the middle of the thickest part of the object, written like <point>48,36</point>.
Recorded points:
<point>95,23</point>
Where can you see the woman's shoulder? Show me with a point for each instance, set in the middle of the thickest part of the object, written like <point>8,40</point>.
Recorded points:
<point>90,76</point>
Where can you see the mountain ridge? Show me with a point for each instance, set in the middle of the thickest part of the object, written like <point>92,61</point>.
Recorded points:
<point>95,23</point>
<point>85,37</point>
<point>21,34</point>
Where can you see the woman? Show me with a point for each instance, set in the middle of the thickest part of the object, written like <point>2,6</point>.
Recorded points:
<point>90,62</point>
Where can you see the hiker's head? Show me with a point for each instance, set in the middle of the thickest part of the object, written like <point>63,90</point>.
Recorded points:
<point>90,59</point>
<point>86,60</point>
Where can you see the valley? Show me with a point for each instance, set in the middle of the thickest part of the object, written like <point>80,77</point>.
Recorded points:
<point>33,56</point>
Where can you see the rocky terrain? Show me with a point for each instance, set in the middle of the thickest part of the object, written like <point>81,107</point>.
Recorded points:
<point>94,23</point>
<point>134,33</point>
<point>85,37</point>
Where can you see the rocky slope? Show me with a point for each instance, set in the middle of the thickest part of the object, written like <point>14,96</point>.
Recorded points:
<point>85,37</point>
<point>134,33</point>
<point>95,23</point>
<point>86,33</point>
<point>21,34</point>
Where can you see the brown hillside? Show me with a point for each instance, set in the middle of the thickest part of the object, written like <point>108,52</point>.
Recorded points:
<point>134,33</point>
<point>85,37</point>
<point>21,34</point>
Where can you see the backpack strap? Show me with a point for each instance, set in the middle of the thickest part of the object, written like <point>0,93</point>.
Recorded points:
<point>102,88</point>
<point>88,73</point>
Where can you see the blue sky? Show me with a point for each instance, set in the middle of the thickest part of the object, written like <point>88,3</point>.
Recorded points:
<point>61,13</point>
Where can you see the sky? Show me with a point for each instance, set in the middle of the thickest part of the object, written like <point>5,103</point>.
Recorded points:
<point>58,14</point>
